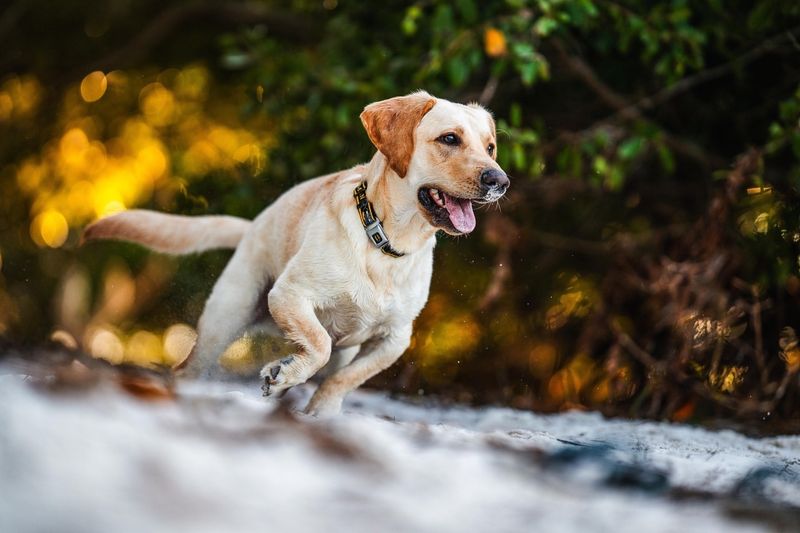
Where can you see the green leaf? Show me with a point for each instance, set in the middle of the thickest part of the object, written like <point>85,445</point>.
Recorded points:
<point>515,115</point>
<point>409,26</point>
<point>457,71</point>
<point>522,50</point>
<point>443,19</point>
<point>614,178</point>
<point>527,72</point>
<point>468,10</point>
<point>518,155</point>
<point>544,26</point>
<point>666,159</point>
<point>600,165</point>
<point>630,148</point>
<point>588,7</point>
<point>544,67</point>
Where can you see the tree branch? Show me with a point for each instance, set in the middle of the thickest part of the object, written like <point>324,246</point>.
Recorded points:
<point>168,21</point>
<point>503,233</point>
<point>690,82</point>
<point>626,111</point>
<point>488,90</point>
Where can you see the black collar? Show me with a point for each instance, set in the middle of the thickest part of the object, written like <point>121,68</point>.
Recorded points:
<point>371,222</point>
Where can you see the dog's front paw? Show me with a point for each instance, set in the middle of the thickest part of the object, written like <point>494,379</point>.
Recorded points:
<point>279,375</point>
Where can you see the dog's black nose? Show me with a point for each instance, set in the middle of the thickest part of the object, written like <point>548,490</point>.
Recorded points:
<point>492,178</point>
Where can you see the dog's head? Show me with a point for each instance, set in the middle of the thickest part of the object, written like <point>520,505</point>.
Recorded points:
<point>444,152</point>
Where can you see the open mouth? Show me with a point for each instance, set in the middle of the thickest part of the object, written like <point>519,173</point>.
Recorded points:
<point>446,211</point>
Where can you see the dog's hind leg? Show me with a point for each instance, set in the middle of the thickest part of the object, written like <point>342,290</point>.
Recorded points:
<point>340,358</point>
<point>229,311</point>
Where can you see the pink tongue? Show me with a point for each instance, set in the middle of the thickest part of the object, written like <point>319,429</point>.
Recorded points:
<point>460,212</point>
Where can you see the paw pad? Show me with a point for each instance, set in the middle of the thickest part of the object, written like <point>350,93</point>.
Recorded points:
<point>271,373</point>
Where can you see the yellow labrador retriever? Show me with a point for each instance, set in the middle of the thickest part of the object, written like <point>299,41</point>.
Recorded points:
<point>344,260</point>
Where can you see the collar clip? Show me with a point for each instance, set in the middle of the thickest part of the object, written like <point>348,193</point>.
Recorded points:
<point>371,222</point>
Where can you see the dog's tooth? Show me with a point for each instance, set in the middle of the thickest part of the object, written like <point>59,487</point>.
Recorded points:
<point>436,195</point>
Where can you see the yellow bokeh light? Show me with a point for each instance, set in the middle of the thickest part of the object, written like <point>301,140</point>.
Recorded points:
<point>224,139</point>
<point>79,208</point>
<point>542,360</point>
<point>241,357</point>
<point>30,175</point>
<point>240,350</point>
<point>157,104</point>
<point>49,228</point>
<point>144,349</point>
<point>95,157</point>
<point>73,146</point>
<point>6,106</point>
<point>117,81</point>
<point>64,338</point>
<point>451,339</point>
<point>108,198</point>
<point>24,94</point>
<point>105,344</point>
<point>152,161</point>
<point>192,82</point>
<point>179,340</point>
<point>119,291</point>
<point>112,207</point>
<point>94,86</point>
<point>100,163</point>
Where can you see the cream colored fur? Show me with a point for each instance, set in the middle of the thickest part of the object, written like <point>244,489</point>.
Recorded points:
<point>329,289</point>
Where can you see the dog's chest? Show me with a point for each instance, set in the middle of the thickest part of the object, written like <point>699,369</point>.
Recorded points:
<point>349,323</point>
<point>366,310</point>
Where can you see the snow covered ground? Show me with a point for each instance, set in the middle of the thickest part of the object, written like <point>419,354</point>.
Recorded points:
<point>220,458</point>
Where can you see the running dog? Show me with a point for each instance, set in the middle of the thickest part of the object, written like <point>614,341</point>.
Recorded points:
<point>343,261</point>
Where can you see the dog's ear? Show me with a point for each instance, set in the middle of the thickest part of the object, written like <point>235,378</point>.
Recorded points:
<point>390,125</point>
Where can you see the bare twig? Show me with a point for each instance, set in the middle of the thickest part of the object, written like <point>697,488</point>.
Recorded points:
<point>569,244</point>
<point>503,233</point>
<point>759,333</point>
<point>585,73</point>
<point>489,89</point>
<point>632,348</point>
<point>627,111</point>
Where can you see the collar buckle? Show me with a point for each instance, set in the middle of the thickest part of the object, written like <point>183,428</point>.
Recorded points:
<point>376,234</point>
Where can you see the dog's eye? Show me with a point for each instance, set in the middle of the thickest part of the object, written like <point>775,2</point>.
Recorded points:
<point>490,149</point>
<point>449,139</point>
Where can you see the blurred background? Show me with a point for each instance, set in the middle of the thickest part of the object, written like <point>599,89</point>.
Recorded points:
<point>645,262</point>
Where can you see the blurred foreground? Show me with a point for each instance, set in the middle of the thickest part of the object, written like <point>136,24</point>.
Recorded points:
<point>80,454</point>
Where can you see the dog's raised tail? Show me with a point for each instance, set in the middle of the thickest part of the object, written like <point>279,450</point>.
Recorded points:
<point>169,234</point>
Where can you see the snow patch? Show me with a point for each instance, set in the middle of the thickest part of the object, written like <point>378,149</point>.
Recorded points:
<point>222,460</point>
